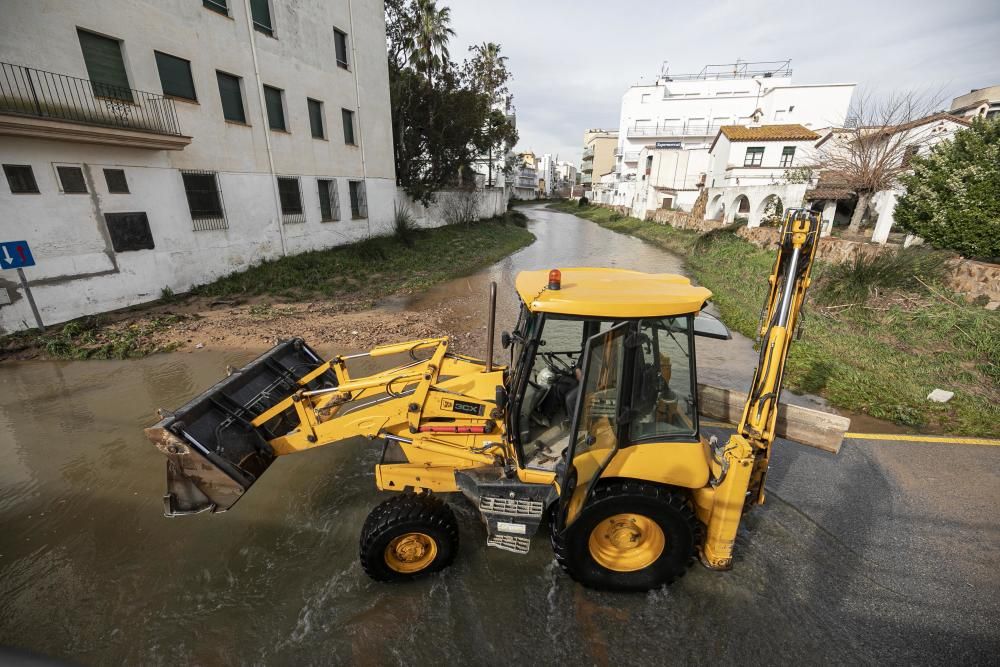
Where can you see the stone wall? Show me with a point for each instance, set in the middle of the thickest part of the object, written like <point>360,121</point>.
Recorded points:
<point>682,220</point>
<point>969,278</point>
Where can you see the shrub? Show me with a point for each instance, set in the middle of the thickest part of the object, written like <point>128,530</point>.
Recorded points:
<point>583,202</point>
<point>403,224</point>
<point>516,218</point>
<point>951,196</point>
<point>615,216</point>
<point>854,282</point>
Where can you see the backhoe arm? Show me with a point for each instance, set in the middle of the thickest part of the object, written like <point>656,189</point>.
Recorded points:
<point>741,465</point>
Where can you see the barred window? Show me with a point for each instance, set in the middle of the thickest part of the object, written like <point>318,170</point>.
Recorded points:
<point>71,180</point>
<point>291,200</point>
<point>359,204</point>
<point>117,183</point>
<point>329,200</point>
<point>204,200</point>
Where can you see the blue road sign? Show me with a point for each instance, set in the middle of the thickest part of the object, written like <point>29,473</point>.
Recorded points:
<point>15,255</point>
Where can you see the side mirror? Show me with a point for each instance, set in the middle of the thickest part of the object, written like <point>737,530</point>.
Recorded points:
<point>505,340</point>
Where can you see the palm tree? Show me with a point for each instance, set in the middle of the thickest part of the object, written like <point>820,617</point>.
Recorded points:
<point>428,42</point>
<point>492,68</point>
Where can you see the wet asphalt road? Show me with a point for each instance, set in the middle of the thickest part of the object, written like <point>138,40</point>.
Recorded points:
<point>885,552</point>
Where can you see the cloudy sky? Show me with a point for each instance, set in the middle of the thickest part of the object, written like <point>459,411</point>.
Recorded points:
<point>573,60</point>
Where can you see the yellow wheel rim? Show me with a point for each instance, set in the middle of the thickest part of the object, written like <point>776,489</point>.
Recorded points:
<point>626,542</point>
<point>410,552</point>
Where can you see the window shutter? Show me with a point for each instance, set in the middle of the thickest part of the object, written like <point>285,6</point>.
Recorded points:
<point>316,118</point>
<point>21,179</point>
<point>340,43</point>
<point>129,231</point>
<point>105,67</point>
<point>232,100</point>
<point>175,76</point>
<point>117,183</point>
<point>72,180</point>
<point>348,117</point>
<point>261,13</point>
<point>275,112</point>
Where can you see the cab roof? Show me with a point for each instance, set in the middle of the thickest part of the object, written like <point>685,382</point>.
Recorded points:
<point>611,293</point>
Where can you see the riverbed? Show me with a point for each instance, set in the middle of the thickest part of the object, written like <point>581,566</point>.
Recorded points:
<point>878,553</point>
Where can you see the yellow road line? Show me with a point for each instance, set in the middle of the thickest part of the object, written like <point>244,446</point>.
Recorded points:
<point>902,437</point>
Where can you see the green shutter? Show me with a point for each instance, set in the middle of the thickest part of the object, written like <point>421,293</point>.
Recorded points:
<point>105,67</point>
<point>275,111</point>
<point>175,76</point>
<point>232,100</point>
<point>261,13</point>
<point>340,43</point>
<point>325,210</point>
<point>316,118</point>
<point>348,117</point>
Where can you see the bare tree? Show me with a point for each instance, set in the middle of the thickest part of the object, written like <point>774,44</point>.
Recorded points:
<point>870,155</point>
<point>461,206</point>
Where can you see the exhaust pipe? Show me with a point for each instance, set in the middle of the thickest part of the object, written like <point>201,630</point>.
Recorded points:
<point>490,327</point>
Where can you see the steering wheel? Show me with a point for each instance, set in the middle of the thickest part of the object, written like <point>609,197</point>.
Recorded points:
<point>556,364</point>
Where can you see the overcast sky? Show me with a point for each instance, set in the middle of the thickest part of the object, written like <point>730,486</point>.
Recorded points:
<point>572,61</point>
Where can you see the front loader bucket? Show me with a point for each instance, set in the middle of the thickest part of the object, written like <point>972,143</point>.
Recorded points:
<point>213,453</point>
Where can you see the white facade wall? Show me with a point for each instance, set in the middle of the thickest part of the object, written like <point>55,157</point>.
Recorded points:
<point>691,111</point>
<point>728,159</point>
<point>78,272</point>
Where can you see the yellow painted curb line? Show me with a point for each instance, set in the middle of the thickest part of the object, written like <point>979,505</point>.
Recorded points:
<point>944,439</point>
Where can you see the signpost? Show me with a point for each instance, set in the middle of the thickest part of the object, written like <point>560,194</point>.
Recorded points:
<point>17,255</point>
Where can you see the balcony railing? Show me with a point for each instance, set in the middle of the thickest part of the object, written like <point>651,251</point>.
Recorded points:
<point>32,92</point>
<point>588,154</point>
<point>660,130</point>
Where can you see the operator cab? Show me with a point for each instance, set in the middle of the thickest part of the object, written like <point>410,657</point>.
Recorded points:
<point>622,361</point>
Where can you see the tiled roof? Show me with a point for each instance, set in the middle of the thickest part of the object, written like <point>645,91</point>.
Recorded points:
<point>791,132</point>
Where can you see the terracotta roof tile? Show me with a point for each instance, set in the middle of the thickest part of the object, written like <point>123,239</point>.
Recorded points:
<point>791,132</point>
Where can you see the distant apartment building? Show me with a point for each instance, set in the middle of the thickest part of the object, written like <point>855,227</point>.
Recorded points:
<point>525,177</point>
<point>545,166</point>
<point>673,122</point>
<point>162,144</point>
<point>977,103</point>
<point>598,155</point>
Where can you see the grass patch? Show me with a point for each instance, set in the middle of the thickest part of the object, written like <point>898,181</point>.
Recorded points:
<point>411,259</point>
<point>880,356</point>
<point>380,265</point>
<point>92,338</point>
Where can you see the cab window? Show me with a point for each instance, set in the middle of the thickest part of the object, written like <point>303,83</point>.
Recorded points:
<point>663,389</point>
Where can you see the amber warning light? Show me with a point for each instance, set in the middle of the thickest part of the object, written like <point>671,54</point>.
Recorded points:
<point>555,279</point>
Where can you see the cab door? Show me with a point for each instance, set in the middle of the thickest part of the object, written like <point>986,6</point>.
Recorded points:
<point>597,421</point>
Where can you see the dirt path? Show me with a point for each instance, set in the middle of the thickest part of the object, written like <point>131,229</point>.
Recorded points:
<point>202,323</point>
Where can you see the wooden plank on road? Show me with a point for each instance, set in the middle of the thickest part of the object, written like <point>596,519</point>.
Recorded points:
<point>805,426</point>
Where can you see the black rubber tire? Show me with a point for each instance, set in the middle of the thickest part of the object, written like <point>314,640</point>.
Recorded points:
<point>405,513</point>
<point>669,508</point>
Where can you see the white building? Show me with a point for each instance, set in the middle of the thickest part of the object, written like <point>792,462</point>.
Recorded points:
<point>684,112</point>
<point>162,144</point>
<point>977,103</point>
<point>545,168</point>
<point>906,140</point>
<point>756,172</point>
<point>525,177</point>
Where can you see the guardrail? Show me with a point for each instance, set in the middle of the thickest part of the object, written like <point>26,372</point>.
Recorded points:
<point>658,130</point>
<point>33,92</point>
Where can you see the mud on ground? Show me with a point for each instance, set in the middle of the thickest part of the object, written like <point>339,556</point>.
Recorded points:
<point>196,323</point>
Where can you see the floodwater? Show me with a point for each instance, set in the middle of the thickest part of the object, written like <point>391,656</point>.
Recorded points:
<point>877,554</point>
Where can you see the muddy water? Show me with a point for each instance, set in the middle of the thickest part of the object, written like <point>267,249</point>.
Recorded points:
<point>91,571</point>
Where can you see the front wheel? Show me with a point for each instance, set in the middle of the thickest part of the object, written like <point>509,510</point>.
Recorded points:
<point>630,536</point>
<point>407,536</point>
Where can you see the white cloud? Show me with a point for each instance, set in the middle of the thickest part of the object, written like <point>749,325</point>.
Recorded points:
<point>572,61</point>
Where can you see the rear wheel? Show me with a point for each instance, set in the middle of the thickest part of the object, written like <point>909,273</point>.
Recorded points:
<point>631,536</point>
<point>407,536</point>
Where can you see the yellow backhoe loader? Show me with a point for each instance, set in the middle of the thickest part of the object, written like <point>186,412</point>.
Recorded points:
<point>593,427</point>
